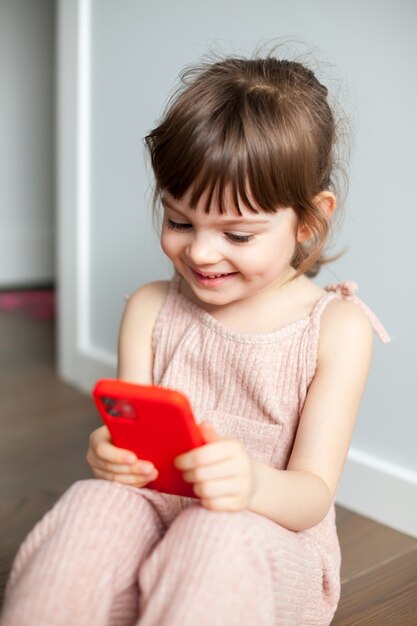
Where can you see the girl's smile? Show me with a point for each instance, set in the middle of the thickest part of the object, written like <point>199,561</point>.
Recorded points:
<point>212,279</point>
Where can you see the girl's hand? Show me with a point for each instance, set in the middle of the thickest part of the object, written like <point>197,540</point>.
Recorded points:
<point>222,473</point>
<point>115,464</point>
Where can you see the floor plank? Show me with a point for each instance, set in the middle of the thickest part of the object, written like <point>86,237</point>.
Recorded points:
<point>384,596</point>
<point>366,544</point>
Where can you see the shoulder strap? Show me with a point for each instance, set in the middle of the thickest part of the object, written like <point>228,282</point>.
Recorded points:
<point>347,291</point>
<point>344,291</point>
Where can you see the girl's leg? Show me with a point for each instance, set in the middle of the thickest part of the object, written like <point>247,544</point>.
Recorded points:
<point>216,568</point>
<point>81,560</point>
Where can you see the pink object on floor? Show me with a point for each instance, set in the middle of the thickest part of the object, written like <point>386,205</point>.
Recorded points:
<point>35,303</point>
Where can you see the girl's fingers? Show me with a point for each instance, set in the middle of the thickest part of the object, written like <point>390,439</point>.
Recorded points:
<point>209,433</point>
<point>225,503</point>
<point>106,451</point>
<point>139,467</point>
<point>226,487</point>
<point>224,469</point>
<point>100,434</point>
<point>214,452</point>
<point>102,448</point>
<point>125,479</point>
<point>104,457</point>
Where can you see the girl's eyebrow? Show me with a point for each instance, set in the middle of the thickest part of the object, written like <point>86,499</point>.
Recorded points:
<point>227,222</point>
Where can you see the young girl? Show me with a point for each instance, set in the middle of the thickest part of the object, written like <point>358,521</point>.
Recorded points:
<point>274,367</point>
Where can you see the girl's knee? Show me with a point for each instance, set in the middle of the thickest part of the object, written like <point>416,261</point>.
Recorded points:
<point>96,489</point>
<point>236,524</point>
<point>91,486</point>
<point>100,500</point>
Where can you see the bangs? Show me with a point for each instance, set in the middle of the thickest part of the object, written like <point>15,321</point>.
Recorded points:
<point>231,150</point>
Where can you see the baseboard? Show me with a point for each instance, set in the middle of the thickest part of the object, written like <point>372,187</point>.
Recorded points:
<point>380,490</point>
<point>84,370</point>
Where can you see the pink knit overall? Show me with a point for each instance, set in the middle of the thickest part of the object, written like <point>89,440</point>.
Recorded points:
<point>107,554</point>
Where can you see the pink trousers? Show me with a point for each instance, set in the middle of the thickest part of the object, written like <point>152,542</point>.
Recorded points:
<point>112,555</point>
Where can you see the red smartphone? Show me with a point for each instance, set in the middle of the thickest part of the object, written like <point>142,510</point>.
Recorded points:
<point>155,423</point>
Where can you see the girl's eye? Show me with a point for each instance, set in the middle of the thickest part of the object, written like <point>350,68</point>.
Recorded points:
<point>177,225</point>
<point>184,226</point>
<point>239,238</point>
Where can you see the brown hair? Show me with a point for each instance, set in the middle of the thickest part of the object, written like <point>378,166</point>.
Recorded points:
<point>261,128</point>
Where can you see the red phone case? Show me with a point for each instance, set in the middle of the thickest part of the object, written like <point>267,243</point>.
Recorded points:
<point>156,423</point>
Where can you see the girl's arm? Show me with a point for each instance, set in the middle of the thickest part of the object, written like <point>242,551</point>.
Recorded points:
<point>135,360</point>
<point>135,357</point>
<point>300,496</point>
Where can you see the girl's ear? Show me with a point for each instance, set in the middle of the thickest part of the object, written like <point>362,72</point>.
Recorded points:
<point>326,201</point>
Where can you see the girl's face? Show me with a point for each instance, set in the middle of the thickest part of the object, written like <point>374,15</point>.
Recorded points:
<point>228,257</point>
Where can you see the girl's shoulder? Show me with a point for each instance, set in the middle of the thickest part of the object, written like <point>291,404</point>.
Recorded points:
<point>347,323</point>
<point>149,296</point>
<point>344,328</point>
<point>145,302</point>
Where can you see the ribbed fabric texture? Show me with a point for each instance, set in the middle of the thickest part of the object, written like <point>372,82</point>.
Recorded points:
<point>82,559</point>
<point>109,555</point>
<point>213,569</point>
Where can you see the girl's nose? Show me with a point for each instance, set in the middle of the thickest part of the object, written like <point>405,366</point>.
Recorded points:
<point>202,251</point>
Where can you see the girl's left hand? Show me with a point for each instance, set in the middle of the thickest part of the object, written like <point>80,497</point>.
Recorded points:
<point>222,473</point>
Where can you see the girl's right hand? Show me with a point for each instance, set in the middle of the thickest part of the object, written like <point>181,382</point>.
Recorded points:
<point>115,464</point>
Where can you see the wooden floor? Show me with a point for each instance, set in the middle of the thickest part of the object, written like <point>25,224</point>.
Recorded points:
<point>44,430</point>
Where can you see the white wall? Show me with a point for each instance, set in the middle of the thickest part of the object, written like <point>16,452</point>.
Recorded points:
<point>27,231</point>
<point>131,54</point>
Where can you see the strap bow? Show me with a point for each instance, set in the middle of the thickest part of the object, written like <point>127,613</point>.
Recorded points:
<point>347,291</point>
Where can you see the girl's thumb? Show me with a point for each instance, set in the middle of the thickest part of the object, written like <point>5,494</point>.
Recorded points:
<point>208,432</point>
